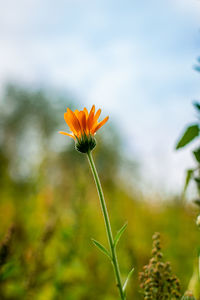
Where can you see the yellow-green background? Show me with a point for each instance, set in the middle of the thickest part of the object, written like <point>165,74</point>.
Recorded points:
<point>54,208</point>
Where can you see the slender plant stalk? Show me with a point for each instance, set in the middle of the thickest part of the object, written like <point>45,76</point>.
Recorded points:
<point>108,226</point>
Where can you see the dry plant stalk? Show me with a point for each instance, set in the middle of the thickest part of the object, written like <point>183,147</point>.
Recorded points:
<point>156,280</point>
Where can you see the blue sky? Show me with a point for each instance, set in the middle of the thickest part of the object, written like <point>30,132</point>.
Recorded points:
<point>132,58</point>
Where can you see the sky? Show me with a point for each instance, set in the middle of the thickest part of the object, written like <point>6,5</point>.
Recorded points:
<point>134,59</point>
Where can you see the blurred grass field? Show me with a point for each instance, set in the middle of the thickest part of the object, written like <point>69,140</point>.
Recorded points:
<point>49,209</point>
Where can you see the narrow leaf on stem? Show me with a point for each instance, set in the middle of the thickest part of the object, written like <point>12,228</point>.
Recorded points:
<point>119,234</point>
<point>196,154</point>
<point>127,279</point>
<point>102,248</point>
<point>188,178</point>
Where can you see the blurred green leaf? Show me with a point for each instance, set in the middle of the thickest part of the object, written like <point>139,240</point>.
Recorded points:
<point>8,271</point>
<point>197,106</point>
<point>127,279</point>
<point>197,202</point>
<point>119,234</point>
<point>197,154</point>
<point>197,179</point>
<point>190,134</point>
<point>188,178</point>
<point>102,248</point>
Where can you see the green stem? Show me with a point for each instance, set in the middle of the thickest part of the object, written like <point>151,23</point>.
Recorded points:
<point>108,226</point>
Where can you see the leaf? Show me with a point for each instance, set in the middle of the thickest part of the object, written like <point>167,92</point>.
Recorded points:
<point>197,202</point>
<point>119,234</point>
<point>188,178</point>
<point>197,154</point>
<point>191,133</point>
<point>197,179</point>
<point>8,270</point>
<point>197,105</point>
<point>127,279</point>
<point>102,248</point>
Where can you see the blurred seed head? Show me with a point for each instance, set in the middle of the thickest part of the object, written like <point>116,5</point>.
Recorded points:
<point>157,280</point>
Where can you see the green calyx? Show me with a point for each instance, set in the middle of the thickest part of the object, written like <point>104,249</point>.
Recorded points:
<point>85,143</point>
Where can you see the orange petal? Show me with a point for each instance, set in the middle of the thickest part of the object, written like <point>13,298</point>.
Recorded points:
<point>95,119</point>
<point>100,125</point>
<point>76,112</point>
<point>82,120</point>
<point>72,121</point>
<point>92,110</point>
<point>90,118</point>
<point>69,123</point>
<point>86,112</point>
<point>66,133</point>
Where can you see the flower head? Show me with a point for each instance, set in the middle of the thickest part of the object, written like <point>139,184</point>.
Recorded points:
<point>83,125</point>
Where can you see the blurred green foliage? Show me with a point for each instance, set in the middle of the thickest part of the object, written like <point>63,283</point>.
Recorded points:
<point>191,133</point>
<point>49,209</point>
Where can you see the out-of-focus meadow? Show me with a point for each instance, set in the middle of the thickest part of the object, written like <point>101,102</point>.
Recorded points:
<point>49,209</point>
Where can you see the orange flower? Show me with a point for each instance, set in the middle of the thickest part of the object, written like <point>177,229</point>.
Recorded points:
<point>83,125</point>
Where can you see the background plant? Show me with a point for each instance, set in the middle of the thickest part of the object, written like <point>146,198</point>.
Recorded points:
<point>157,282</point>
<point>53,214</point>
<point>192,133</point>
